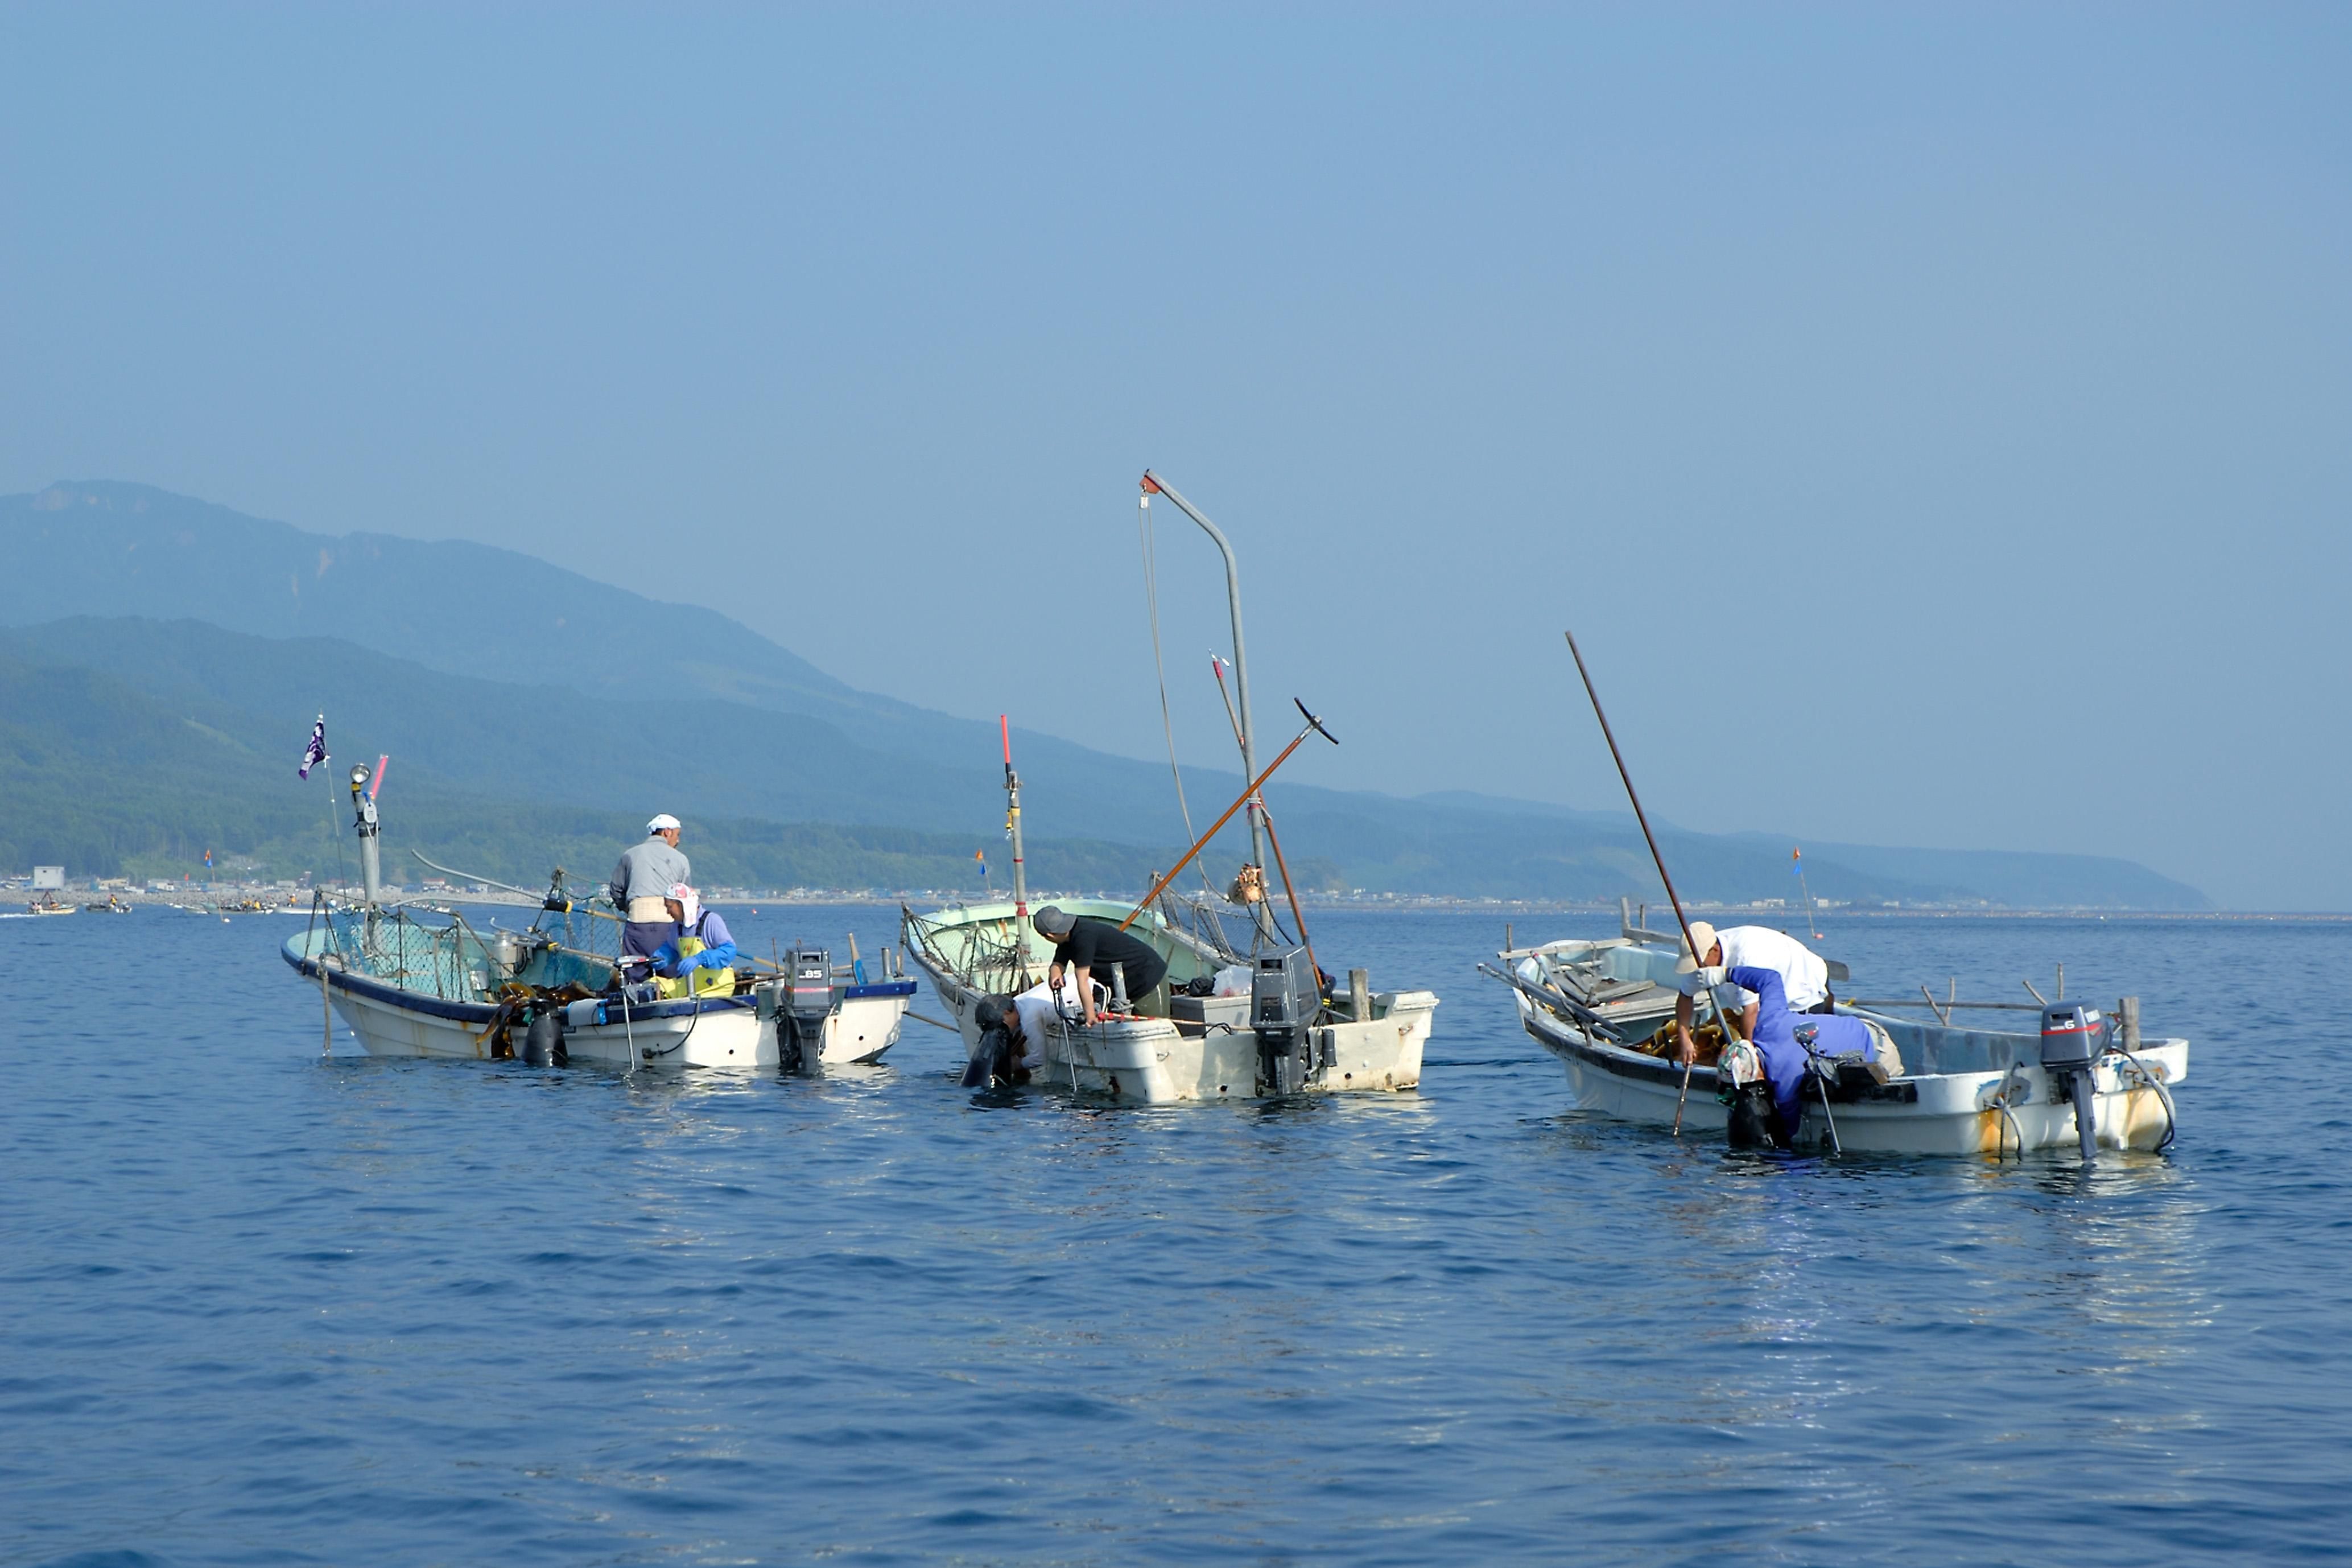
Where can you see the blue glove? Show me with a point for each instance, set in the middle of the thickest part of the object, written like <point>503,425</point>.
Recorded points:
<point>700,961</point>
<point>663,957</point>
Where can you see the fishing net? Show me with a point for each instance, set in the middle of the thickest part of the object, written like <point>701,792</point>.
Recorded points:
<point>447,959</point>
<point>990,956</point>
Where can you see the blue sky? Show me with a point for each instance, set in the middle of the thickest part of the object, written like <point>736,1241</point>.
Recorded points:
<point>1932,419</point>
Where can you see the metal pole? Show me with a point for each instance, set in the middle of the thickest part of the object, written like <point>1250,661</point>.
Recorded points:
<point>628,1025</point>
<point>1154,485</point>
<point>1296,914</point>
<point>363,812</point>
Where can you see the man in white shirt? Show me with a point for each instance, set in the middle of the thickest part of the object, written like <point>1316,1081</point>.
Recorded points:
<point>1804,977</point>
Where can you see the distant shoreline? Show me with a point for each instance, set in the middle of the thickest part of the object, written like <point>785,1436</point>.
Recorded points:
<point>15,899</point>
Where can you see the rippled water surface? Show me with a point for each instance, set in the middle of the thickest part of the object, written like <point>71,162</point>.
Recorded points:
<point>257,1307</point>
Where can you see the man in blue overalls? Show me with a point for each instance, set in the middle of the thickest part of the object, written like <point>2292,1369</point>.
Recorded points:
<point>1788,1040</point>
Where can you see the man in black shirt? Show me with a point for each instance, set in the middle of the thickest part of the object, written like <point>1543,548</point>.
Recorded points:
<point>1086,944</point>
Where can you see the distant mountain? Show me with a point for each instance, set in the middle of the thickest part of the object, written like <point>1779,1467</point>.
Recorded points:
<point>480,670</point>
<point>118,550</point>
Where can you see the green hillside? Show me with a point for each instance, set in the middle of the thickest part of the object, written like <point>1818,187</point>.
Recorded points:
<point>480,671</point>
<point>106,781</point>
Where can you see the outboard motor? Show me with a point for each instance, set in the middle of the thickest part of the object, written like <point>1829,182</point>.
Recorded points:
<point>2074,1038</point>
<point>1284,1000</point>
<point>804,1002</point>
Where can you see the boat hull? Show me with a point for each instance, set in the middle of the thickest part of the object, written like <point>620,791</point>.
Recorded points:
<point>713,1032</point>
<point>1150,1061</point>
<point>1946,1113</point>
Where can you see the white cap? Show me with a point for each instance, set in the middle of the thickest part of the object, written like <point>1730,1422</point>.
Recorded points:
<point>662,823</point>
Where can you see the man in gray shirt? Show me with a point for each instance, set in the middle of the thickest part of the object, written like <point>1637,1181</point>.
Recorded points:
<point>642,879</point>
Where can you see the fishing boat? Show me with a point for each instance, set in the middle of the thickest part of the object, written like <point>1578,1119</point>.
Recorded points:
<point>1248,1016</point>
<point>411,981</point>
<point>1606,1009</point>
<point>1264,1031</point>
<point>49,905</point>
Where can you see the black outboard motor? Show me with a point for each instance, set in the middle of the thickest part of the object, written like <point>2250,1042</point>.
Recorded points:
<point>1283,1001</point>
<point>804,1002</point>
<point>2074,1038</point>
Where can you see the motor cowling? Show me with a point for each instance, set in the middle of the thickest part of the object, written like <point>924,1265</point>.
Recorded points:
<point>2074,1038</point>
<point>806,1002</point>
<point>1284,999</point>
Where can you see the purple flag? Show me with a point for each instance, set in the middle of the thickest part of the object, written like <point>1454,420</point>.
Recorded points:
<point>316,752</point>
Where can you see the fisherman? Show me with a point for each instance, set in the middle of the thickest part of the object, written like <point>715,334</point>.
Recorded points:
<point>1012,1038</point>
<point>1788,1041</point>
<point>702,943</point>
<point>641,884</point>
<point>1805,978</point>
<point>1086,945</point>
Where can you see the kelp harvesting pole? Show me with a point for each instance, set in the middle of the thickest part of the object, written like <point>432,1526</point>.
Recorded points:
<point>1249,792</point>
<point>1656,859</point>
<point>1020,873</point>
<point>1154,485</point>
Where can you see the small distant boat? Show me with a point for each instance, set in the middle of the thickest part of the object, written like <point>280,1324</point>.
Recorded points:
<point>113,906</point>
<point>49,905</point>
<point>1606,1009</point>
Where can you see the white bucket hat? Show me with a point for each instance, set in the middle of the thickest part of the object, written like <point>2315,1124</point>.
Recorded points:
<point>1702,941</point>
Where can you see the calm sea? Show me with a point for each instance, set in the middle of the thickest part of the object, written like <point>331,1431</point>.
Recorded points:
<point>258,1307</point>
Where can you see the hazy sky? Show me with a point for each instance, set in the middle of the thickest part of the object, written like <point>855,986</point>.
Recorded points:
<point>1934,421</point>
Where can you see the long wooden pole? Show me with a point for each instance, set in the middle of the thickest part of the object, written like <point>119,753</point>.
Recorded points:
<point>1247,795</point>
<point>1657,859</point>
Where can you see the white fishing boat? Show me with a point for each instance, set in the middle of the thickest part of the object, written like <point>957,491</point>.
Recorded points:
<point>416,982</point>
<point>1244,1017</point>
<point>1606,1009</point>
<point>409,986</point>
<point>1269,1034</point>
